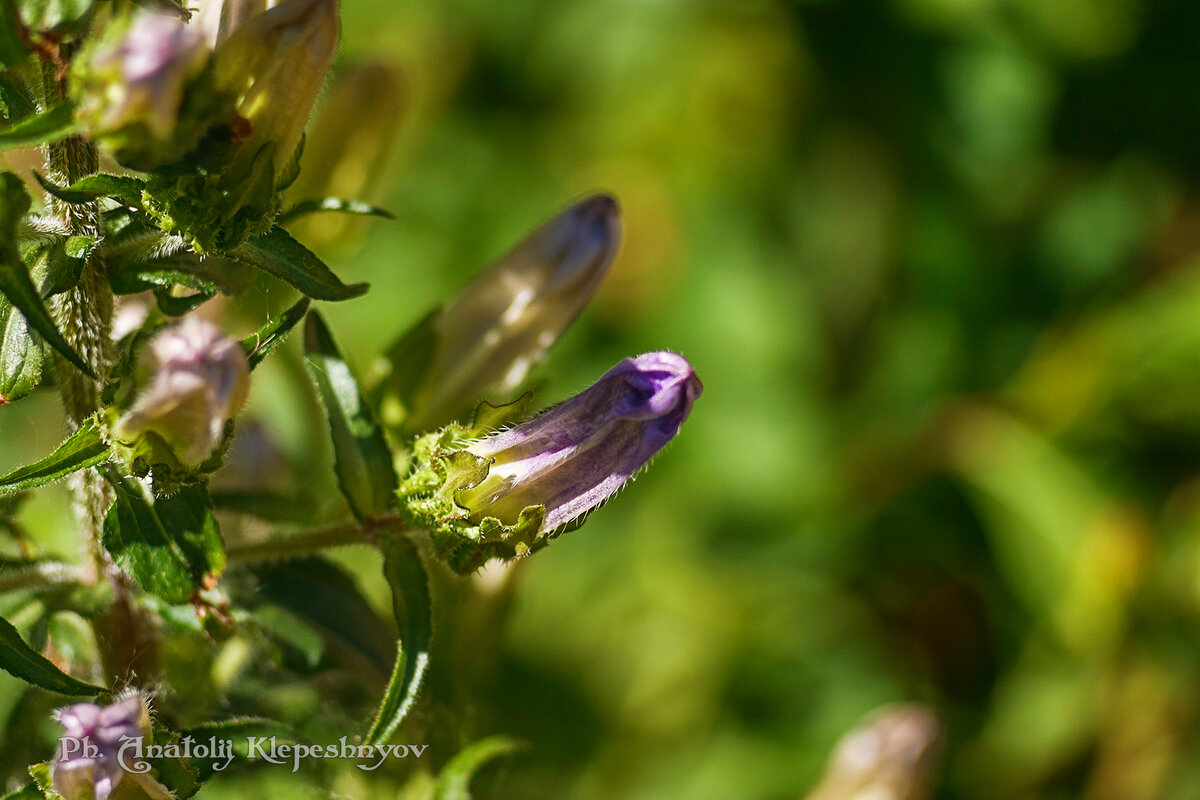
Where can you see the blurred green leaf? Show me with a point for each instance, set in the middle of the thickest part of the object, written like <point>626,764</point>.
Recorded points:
<point>362,459</point>
<point>82,449</point>
<point>29,791</point>
<point>12,47</point>
<point>269,506</point>
<point>405,573</point>
<point>279,254</point>
<point>21,661</point>
<point>454,781</point>
<point>49,126</point>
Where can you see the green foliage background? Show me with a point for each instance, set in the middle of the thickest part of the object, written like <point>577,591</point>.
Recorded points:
<point>935,262</point>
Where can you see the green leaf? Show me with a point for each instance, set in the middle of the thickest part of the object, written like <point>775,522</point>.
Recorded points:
<point>279,254</point>
<point>21,661</point>
<point>15,282</point>
<point>12,46</point>
<point>29,791</point>
<point>176,306</point>
<point>407,363</point>
<point>93,187</point>
<point>362,460</point>
<point>211,274</point>
<point>82,449</point>
<point>333,204</point>
<point>325,597</point>
<point>49,126</point>
<point>21,355</point>
<point>405,573</point>
<point>270,506</point>
<point>188,516</point>
<point>259,344</point>
<point>454,781</point>
<point>57,17</point>
<point>138,543</point>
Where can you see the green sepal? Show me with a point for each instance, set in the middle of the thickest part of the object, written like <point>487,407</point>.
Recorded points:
<point>151,456</point>
<point>441,468</point>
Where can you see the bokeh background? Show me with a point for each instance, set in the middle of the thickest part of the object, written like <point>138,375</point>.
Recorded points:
<point>936,264</point>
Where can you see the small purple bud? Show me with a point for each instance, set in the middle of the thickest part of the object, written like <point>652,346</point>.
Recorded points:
<point>198,380</point>
<point>89,761</point>
<point>574,456</point>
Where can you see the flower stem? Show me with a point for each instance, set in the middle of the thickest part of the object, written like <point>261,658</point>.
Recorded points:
<point>304,542</point>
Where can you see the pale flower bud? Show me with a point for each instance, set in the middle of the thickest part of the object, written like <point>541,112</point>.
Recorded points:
<point>199,379</point>
<point>503,323</point>
<point>130,88</point>
<point>275,62</point>
<point>90,763</point>
<point>892,753</point>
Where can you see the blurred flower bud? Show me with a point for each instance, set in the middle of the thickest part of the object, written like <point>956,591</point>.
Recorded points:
<point>275,62</point>
<point>90,763</point>
<point>892,754</point>
<point>199,379</point>
<point>130,90</point>
<point>502,494</point>
<point>346,149</point>
<point>503,323</point>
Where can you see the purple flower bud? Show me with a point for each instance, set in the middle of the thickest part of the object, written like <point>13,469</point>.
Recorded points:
<point>199,379</point>
<point>574,456</point>
<point>89,761</point>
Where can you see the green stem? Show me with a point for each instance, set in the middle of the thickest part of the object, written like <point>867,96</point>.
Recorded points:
<point>310,541</point>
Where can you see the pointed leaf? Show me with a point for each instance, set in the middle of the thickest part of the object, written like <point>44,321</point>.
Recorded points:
<point>93,187</point>
<point>15,282</point>
<point>260,343</point>
<point>138,543</point>
<point>333,204</point>
<point>405,573</point>
<point>49,126</point>
<point>454,781</point>
<point>21,356</point>
<point>82,449</point>
<point>22,661</point>
<point>362,459</point>
<point>278,253</point>
<point>188,516</point>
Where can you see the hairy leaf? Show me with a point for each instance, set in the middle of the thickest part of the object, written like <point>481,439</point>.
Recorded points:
<point>259,344</point>
<point>405,573</point>
<point>362,459</point>
<point>22,661</point>
<point>279,254</point>
<point>140,545</point>
<point>93,187</point>
<point>84,448</point>
<point>49,126</point>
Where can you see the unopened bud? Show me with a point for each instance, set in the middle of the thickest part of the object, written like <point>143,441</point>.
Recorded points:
<point>130,90</point>
<point>505,321</point>
<point>90,761</point>
<point>275,63</point>
<point>502,494</point>
<point>892,753</point>
<point>199,379</point>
